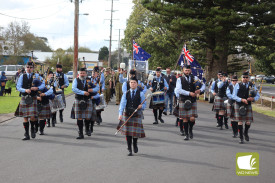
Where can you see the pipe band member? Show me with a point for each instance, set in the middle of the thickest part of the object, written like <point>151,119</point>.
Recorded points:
<point>158,84</point>
<point>187,91</point>
<point>28,105</point>
<point>133,129</point>
<point>230,105</point>
<point>244,94</point>
<point>83,105</point>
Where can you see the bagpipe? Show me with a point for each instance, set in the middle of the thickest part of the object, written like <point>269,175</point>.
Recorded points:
<point>91,85</point>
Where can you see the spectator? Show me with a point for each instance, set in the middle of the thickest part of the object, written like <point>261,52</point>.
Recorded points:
<point>3,80</point>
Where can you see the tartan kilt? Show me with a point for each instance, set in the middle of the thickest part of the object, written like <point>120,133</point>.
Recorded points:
<point>219,103</point>
<point>248,117</point>
<point>77,113</point>
<point>94,114</point>
<point>45,113</point>
<point>25,110</point>
<point>176,111</point>
<point>63,97</point>
<point>230,110</point>
<point>133,127</point>
<point>157,106</point>
<point>190,113</point>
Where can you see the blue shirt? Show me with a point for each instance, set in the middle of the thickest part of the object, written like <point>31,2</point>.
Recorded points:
<point>181,91</point>
<point>20,82</point>
<point>49,92</point>
<point>124,101</point>
<point>236,89</point>
<point>213,86</point>
<point>66,81</point>
<point>165,82</point>
<point>102,81</point>
<point>228,92</point>
<point>121,79</point>
<point>124,87</point>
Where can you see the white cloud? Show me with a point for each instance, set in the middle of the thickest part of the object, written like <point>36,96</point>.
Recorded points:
<point>58,27</point>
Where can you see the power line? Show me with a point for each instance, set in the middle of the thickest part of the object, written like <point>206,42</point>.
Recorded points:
<point>33,18</point>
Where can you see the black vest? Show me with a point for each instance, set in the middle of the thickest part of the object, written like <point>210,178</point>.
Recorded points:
<point>155,84</point>
<point>132,104</point>
<point>216,89</point>
<point>27,84</point>
<point>61,79</point>
<point>243,92</point>
<point>188,87</point>
<point>222,90</point>
<point>231,88</point>
<point>80,86</point>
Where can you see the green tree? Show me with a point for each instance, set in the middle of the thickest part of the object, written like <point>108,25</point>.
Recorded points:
<point>31,42</point>
<point>221,27</point>
<point>103,53</point>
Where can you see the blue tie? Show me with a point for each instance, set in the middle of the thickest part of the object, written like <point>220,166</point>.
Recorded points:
<point>133,94</point>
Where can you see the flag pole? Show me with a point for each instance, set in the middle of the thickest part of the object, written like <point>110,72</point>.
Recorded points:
<point>177,61</point>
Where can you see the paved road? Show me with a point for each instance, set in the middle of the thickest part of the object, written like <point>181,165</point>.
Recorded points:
<point>268,90</point>
<point>164,156</point>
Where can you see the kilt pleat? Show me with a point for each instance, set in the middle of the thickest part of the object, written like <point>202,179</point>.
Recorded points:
<point>238,117</point>
<point>219,103</point>
<point>133,127</point>
<point>230,110</point>
<point>77,113</point>
<point>27,110</point>
<point>45,113</point>
<point>190,113</point>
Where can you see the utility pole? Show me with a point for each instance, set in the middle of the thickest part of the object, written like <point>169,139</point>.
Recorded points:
<point>76,17</point>
<point>118,50</point>
<point>110,43</point>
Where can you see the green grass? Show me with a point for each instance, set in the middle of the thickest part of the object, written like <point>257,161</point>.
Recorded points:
<point>264,111</point>
<point>8,104</point>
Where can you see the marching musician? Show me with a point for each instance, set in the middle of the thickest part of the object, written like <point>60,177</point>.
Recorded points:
<point>50,83</point>
<point>218,89</point>
<point>28,104</point>
<point>83,105</point>
<point>186,88</point>
<point>244,94</point>
<point>133,129</point>
<point>98,78</point>
<point>63,83</point>
<point>158,84</point>
<point>44,111</point>
<point>230,105</point>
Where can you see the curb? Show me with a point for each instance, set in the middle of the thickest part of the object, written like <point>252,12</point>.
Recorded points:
<point>15,116</point>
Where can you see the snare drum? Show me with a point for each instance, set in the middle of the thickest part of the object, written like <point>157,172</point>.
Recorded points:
<point>102,103</point>
<point>158,98</point>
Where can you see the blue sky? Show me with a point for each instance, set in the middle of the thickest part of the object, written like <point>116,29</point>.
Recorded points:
<point>56,20</point>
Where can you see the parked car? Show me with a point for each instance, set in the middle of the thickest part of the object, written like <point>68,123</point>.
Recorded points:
<point>70,76</point>
<point>270,79</point>
<point>260,77</point>
<point>10,70</point>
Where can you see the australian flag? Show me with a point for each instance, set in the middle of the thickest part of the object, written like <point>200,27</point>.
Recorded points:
<point>190,60</point>
<point>139,53</point>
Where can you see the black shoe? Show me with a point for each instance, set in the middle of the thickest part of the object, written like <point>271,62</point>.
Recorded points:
<point>191,135</point>
<point>27,137</point>
<point>182,133</point>
<point>61,119</point>
<point>226,125</point>
<point>165,113</point>
<point>135,148</point>
<point>33,133</point>
<point>130,154</point>
<point>186,137</point>
<point>170,113</point>
<point>246,137</point>
<point>155,123</point>
<point>218,125</point>
<point>42,133</point>
<point>81,136</point>
<point>161,120</point>
<point>241,141</point>
<point>221,127</point>
<point>235,135</point>
<point>89,133</point>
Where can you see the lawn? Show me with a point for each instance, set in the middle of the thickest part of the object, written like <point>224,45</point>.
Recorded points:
<point>264,110</point>
<point>8,104</point>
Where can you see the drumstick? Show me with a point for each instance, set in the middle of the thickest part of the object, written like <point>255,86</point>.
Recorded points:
<point>149,95</point>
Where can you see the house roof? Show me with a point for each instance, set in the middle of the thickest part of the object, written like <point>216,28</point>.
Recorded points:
<point>89,57</point>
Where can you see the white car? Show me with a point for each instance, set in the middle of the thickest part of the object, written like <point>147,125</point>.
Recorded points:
<point>260,77</point>
<point>70,76</point>
<point>10,70</point>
